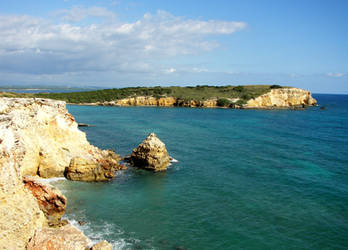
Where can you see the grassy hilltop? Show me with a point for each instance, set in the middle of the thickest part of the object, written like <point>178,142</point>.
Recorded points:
<point>198,93</point>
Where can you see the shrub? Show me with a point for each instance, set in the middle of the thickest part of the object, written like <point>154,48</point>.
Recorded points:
<point>275,86</point>
<point>223,102</point>
<point>238,88</point>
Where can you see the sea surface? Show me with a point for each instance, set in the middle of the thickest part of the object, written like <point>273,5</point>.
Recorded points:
<point>245,179</point>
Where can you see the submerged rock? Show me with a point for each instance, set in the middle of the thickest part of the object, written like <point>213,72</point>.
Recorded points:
<point>51,201</point>
<point>67,237</point>
<point>151,154</point>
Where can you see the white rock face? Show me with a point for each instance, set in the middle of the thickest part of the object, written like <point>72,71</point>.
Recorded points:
<point>37,136</point>
<point>282,98</point>
<point>44,136</point>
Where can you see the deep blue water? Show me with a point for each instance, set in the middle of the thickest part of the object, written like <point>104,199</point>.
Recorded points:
<point>246,179</point>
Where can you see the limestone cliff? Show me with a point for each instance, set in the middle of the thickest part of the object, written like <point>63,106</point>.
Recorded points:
<point>45,137</point>
<point>37,136</point>
<point>282,98</point>
<point>162,102</point>
<point>20,215</point>
<point>275,98</point>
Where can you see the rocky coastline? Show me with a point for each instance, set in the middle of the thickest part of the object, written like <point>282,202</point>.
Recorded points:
<point>40,139</point>
<point>280,98</point>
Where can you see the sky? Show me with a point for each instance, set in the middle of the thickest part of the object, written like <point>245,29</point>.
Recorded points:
<point>120,43</point>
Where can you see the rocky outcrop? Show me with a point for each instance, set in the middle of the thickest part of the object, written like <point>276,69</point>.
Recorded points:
<point>38,137</point>
<point>67,237</point>
<point>275,98</point>
<point>51,201</point>
<point>151,154</point>
<point>162,102</point>
<point>282,98</point>
<point>89,170</point>
<point>45,135</point>
<point>20,215</point>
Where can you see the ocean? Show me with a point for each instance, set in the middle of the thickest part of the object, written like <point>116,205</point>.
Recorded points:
<point>245,179</point>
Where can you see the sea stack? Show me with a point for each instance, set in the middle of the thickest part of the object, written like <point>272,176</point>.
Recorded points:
<point>151,154</point>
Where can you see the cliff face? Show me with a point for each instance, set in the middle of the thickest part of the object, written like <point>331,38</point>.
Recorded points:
<point>275,98</point>
<point>162,102</point>
<point>37,136</point>
<point>20,215</point>
<point>282,98</point>
<point>45,136</point>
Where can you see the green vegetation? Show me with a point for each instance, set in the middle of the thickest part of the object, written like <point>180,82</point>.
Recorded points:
<point>224,94</point>
<point>223,102</point>
<point>275,86</point>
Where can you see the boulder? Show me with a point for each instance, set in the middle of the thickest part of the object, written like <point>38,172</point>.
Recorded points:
<point>102,169</point>
<point>67,237</point>
<point>51,201</point>
<point>151,154</point>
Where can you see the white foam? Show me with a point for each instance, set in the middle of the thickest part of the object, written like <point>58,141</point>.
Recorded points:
<point>52,180</point>
<point>106,231</point>
<point>172,160</point>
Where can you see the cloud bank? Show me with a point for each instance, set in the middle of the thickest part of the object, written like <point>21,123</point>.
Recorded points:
<point>87,40</point>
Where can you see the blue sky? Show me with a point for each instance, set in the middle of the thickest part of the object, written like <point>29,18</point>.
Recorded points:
<point>120,43</point>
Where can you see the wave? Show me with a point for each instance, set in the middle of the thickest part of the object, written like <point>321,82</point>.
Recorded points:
<point>53,180</point>
<point>172,160</point>
<point>104,231</point>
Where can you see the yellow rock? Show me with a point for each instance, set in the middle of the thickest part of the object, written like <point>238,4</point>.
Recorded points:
<point>282,98</point>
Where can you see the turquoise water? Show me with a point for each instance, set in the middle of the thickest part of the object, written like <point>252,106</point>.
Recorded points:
<point>245,179</point>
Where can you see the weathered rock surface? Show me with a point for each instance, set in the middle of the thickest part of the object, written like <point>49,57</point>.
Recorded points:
<point>103,245</point>
<point>81,169</point>
<point>20,214</point>
<point>37,136</point>
<point>67,237</point>
<point>46,135</point>
<point>282,98</point>
<point>151,154</point>
<point>162,101</point>
<point>275,98</point>
<point>51,201</point>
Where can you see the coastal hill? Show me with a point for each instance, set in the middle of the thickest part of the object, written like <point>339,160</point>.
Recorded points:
<point>249,96</point>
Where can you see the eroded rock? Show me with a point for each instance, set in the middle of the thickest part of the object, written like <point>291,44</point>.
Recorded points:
<point>282,98</point>
<point>51,201</point>
<point>101,169</point>
<point>151,154</point>
<point>67,237</point>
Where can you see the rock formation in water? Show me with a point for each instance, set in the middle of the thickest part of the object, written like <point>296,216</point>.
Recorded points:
<point>151,154</point>
<point>90,170</point>
<point>282,98</point>
<point>39,137</point>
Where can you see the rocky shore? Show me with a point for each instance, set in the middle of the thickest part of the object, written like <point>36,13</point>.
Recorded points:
<point>40,139</point>
<point>279,98</point>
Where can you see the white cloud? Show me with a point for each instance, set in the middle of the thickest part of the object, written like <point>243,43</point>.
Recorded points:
<point>30,45</point>
<point>77,13</point>
<point>335,74</point>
